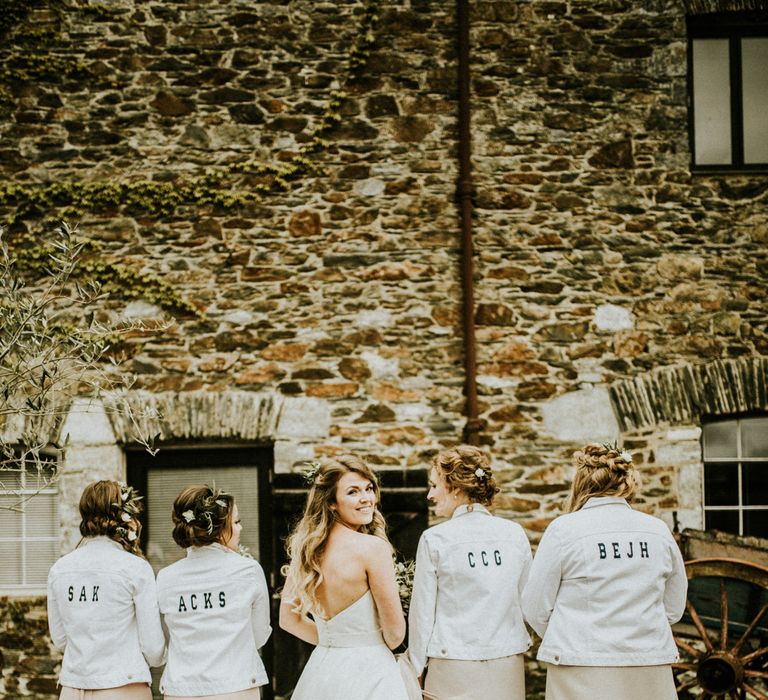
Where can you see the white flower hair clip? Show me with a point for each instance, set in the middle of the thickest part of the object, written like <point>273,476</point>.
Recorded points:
<point>480,473</point>
<point>188,516</point>
<point>626,456</point>
<point>128,510</point>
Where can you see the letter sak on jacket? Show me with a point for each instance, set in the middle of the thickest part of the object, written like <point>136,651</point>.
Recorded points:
<point>83,594</point>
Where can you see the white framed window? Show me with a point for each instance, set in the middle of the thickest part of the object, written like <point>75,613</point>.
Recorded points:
<point>29,529</point>
<point>736,475</point>
<point>728,86</point>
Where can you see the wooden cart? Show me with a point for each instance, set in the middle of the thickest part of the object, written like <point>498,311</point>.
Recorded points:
<point>723,637</point>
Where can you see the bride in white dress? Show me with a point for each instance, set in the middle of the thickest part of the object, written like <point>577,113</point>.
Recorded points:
<point>340,592</point>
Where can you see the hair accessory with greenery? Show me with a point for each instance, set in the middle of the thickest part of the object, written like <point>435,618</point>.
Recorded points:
<point>202,509</point>
<point>243,551</point>
<point>310,472</point>
<point>129,509</point>
<point>614,447</point>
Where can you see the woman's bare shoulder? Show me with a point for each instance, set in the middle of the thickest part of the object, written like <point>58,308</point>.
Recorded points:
<point>374,549</point>
<point>368,545</point>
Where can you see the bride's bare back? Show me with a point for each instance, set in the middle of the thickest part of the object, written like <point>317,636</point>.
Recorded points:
<point>352,563</point>
<point>344,569</point>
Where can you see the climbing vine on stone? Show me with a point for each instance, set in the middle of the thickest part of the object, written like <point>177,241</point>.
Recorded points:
<point>212,188</point>
<point>32,261</point>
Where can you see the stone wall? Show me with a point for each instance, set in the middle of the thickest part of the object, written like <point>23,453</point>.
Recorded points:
<point>599,256</point>
<point>334,296</point>
<point>29,664</point>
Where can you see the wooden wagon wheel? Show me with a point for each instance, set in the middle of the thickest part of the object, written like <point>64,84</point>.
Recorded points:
<point>721,658</point>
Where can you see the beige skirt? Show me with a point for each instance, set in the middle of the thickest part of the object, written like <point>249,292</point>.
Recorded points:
<point>134,691</point>
<point>250,694</point>
<point>610,683</point>
<point>495,679</point>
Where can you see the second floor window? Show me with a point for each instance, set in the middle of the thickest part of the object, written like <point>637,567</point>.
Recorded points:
<point>728,84</point>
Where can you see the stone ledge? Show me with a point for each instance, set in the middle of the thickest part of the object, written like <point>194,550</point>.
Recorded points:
<point>682,394</point>
<point>240,415</point>
<point>701,7</point>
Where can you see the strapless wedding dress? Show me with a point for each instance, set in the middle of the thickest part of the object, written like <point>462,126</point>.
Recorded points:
<point>351,660</point>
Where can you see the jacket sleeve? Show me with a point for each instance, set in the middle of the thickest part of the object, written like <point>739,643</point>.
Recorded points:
<point>540,592</point>
<point>260,609</point>
<point>151,637</point>
<point>55,623</point>
<point>526,560</point>
<point>421,615</point>
<point>676,589</point>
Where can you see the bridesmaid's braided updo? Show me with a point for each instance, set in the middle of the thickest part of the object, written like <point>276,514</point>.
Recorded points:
<point>602,470</point>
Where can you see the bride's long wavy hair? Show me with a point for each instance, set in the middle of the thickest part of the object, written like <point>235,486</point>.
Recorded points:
<point>307,542</point>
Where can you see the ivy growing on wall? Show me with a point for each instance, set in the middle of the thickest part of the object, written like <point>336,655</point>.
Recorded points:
<point>211,188</point>
<point>32,261</point>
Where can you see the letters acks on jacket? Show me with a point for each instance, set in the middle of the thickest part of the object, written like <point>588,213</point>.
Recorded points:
<point>470,571</point>
<point>215,604</point>
<point>102,611</point>
<point>606,583</point>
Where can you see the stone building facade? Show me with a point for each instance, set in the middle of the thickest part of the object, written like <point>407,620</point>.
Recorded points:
<point>289,169</point>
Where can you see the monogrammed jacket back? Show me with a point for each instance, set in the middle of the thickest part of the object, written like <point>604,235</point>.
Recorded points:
<point>102,611</point>
<point>605,585</point>
<point>470,571</point>
<point>215,605</point>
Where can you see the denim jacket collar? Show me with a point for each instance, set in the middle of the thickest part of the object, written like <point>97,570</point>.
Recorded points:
<point>605,501</point>
<point>193,552</point>
<point>99,540</point>
<point>469,508</point>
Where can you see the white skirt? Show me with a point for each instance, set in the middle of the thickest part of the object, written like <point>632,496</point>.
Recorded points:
<point>494,679</point>
<point>250,694</point>
<point>610,683</point>
<point>134,691</point>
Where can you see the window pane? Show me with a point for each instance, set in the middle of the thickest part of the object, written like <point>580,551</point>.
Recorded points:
<point>10,480</point>
<point>720,439</point>
<point>10,520</point>
<point>711,102</point>
<point>754,434</point>
<point>42,516</point>
<point>754,78</point>
<point>40,558</point>
<point>756,523</point>
<point>721,485</point>
<point>754,476</point>
<point>723,520</point>
<point>10,571</point>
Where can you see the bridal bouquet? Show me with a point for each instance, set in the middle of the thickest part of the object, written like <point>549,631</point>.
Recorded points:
<point>404,576</point>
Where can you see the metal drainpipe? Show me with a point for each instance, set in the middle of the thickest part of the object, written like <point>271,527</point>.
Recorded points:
<point>464,195</point>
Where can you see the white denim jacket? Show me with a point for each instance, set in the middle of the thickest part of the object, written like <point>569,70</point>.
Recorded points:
<point>470,571</point>
<point>606,583</point>
<point>215,605</point>
<point>102,611</point>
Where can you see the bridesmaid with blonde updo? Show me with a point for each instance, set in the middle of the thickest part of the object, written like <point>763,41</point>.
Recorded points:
<point>606,584</point>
